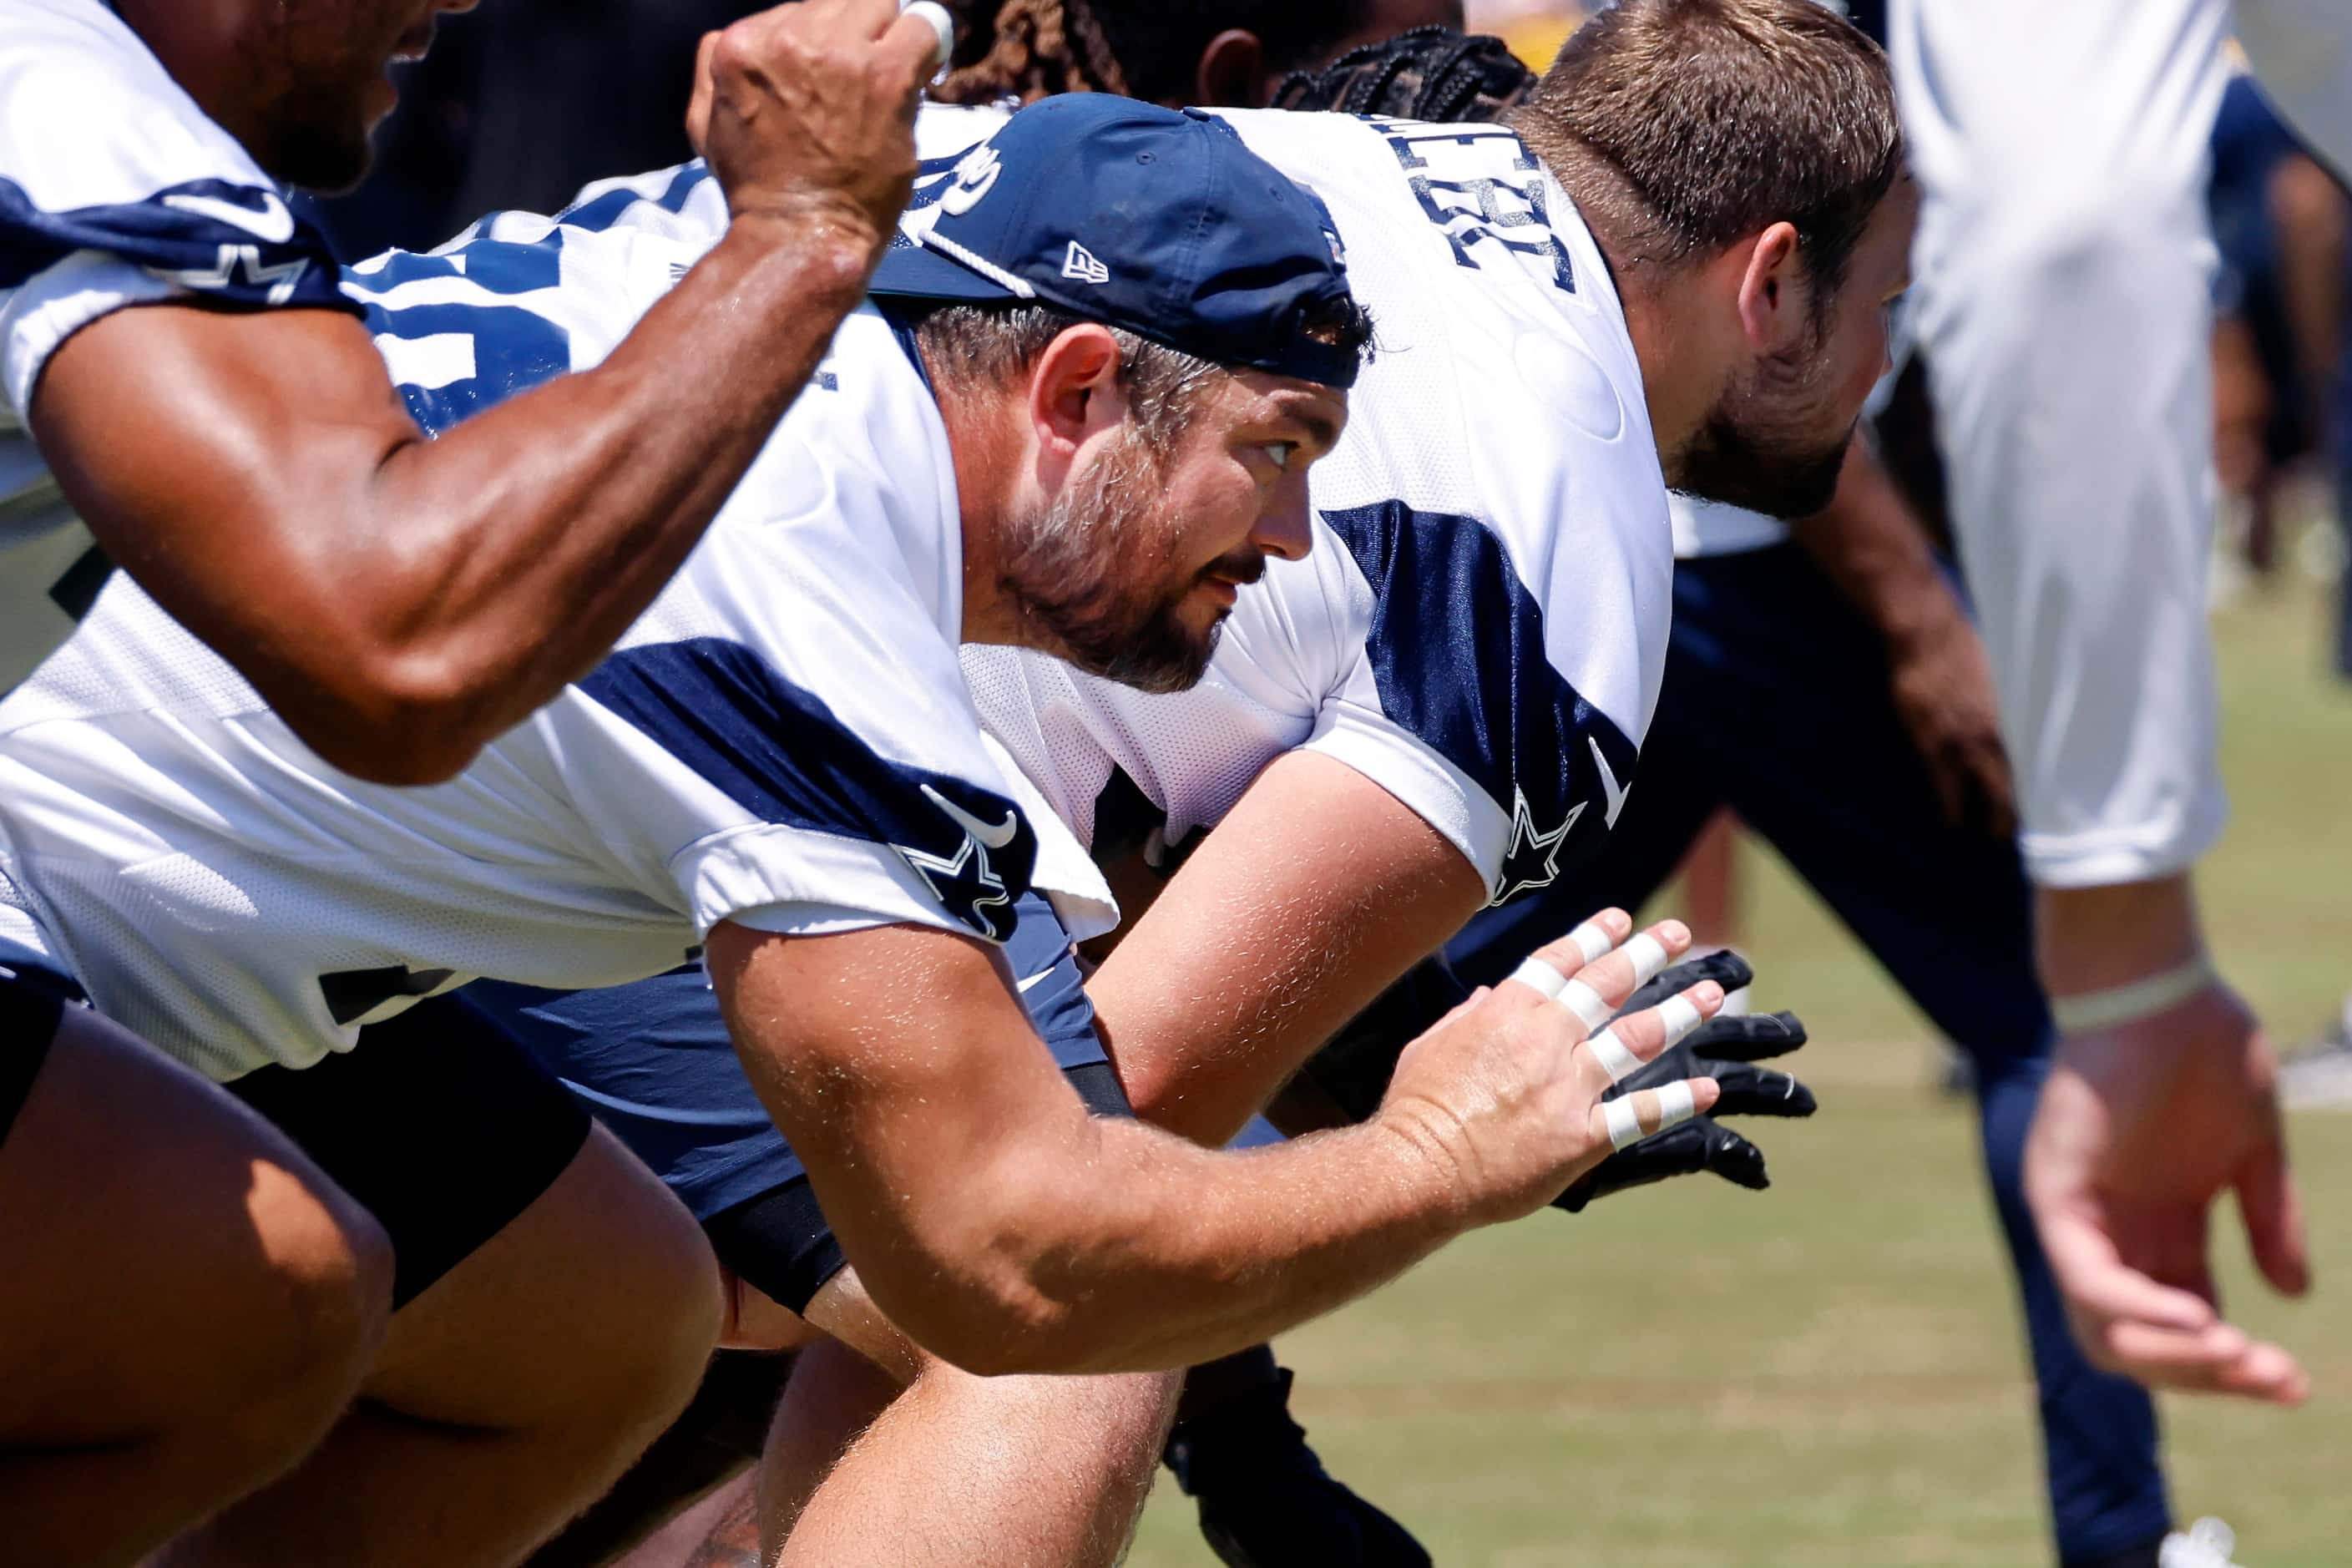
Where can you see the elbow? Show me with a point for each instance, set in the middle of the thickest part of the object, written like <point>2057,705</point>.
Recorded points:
<point>392,717</point>
<point>994,1291</point>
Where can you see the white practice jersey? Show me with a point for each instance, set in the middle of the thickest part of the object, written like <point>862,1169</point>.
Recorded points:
<point>784,740</point>
<point>115,190</point>
<point>1481,625</point>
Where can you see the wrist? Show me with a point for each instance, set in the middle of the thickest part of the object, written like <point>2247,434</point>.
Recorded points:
<point>2093,940</point>
<point>811,256</point>
<point>1435,1186</point>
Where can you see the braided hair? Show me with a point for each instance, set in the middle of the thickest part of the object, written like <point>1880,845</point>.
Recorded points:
<point>1028,49</point>
<point>1430,73</point>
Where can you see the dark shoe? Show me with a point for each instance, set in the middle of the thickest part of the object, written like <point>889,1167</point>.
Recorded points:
<point>1265,1499</point>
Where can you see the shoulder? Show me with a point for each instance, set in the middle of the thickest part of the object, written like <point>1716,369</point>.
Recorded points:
<point>92,118</point>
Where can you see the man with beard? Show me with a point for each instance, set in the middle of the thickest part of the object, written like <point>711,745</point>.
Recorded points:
<point>1117,301</point>
<point>1444,698</point>
<point>189,1303</point>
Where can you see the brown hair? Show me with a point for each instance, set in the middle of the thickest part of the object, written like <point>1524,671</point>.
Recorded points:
<point>1681,126</point>
<point>1028,49</point>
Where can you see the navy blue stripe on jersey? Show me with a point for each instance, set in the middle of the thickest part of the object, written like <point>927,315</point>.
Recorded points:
<point>496,266</point>
<point>514,349</point>
<point>778,751</point>
<point>601,213</point>
<point>179,233</point>
<point>1456,647</point>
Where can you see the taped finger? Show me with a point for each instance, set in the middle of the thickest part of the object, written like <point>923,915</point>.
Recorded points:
<point>942,26</point>
<point>1539,977</point>
<point>1676,1016</point>
<point>1637,1116</point>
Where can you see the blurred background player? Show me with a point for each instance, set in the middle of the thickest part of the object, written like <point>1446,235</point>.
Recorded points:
<point>189,1303</point>
<point>2062,305</point>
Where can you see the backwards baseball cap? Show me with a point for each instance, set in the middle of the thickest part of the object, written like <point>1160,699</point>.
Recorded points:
<point>1156,220</point>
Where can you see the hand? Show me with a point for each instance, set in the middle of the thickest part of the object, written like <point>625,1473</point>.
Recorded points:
<point>1721,1048</point>
<point>2140,1127</point>
<point>1942,685</point>
<point>807,112</point>
<point>1506,1094</point>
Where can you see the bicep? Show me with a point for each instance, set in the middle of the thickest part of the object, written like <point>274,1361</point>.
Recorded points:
<point>1316,892</point>
<point>897,1060</point>
<point>217,455</point>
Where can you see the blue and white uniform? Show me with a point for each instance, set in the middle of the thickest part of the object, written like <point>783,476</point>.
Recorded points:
<point>1479,629</point>
<point>783,740</point>
<point>115,190</point>
<point>1481,625</point>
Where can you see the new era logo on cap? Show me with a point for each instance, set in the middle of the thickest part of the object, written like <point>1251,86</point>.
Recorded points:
<point>1081,265</point>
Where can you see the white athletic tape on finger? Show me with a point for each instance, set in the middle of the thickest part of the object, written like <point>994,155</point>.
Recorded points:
<point>1678,1013</point>
<point>1590,941</point>
<point>1590,1007</point>
<point>1649,956</point>
<point>1680,1016</point>
<point>1538,976</point>
<point>941,23</point>
<point>1615,1060</point>
<point>1676,1105</point>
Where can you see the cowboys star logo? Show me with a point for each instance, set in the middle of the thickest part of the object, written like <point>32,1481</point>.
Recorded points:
<point>1533,860</point>
<point>965,882</point>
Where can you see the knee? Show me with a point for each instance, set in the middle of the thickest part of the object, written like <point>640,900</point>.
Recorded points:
<point>313,1316</point>
<point>659,1271</point>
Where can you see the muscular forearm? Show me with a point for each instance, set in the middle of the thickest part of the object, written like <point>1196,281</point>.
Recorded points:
<point>1131,1249</point>
<point>506,557</point>
<point>1316,891</point>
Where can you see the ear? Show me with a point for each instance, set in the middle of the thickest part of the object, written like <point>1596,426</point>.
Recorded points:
<point>1775,295</point>
<point>1231,72</point>
<point>1074,391</point>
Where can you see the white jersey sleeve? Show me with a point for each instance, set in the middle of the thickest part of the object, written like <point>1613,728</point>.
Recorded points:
<point>115,190</point>
<point>1480,627</point>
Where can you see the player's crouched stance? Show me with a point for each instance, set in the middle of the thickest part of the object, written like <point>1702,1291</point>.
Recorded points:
<point>163,1356</point>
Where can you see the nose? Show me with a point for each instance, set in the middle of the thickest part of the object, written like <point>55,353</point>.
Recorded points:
<point>1285,528</point>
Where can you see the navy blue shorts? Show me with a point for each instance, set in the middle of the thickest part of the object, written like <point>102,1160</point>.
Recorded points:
<point>34,997</point>
<point>653,1062</point>
<point>438,1122</point>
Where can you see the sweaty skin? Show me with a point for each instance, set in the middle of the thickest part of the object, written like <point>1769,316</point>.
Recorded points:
<point>399,602</point>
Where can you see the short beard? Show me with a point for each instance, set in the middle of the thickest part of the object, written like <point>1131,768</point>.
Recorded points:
<point>1768,459</point>
<point>1088,571</point>
<point>1762,471</point>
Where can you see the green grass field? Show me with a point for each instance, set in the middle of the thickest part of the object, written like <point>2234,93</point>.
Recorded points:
<point>1833,1372</point>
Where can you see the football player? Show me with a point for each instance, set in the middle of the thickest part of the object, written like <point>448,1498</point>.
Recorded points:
<point>184,391</point>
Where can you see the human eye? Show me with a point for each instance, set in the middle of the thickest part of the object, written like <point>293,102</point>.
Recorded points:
<point>1279,453</point>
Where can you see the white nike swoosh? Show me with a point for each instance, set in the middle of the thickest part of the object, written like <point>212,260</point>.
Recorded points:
<point>988,837</point>
<point>274,225</point>
<point>1026,986</point>
<point>1609,784</point>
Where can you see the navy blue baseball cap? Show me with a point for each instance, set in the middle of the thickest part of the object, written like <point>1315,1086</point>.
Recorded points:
<point>1156,220</point>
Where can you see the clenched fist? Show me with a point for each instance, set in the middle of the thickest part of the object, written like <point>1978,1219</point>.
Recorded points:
<point>807,112</point>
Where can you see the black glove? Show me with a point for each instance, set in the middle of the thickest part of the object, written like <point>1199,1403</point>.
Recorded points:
<point>1725,1049</point>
